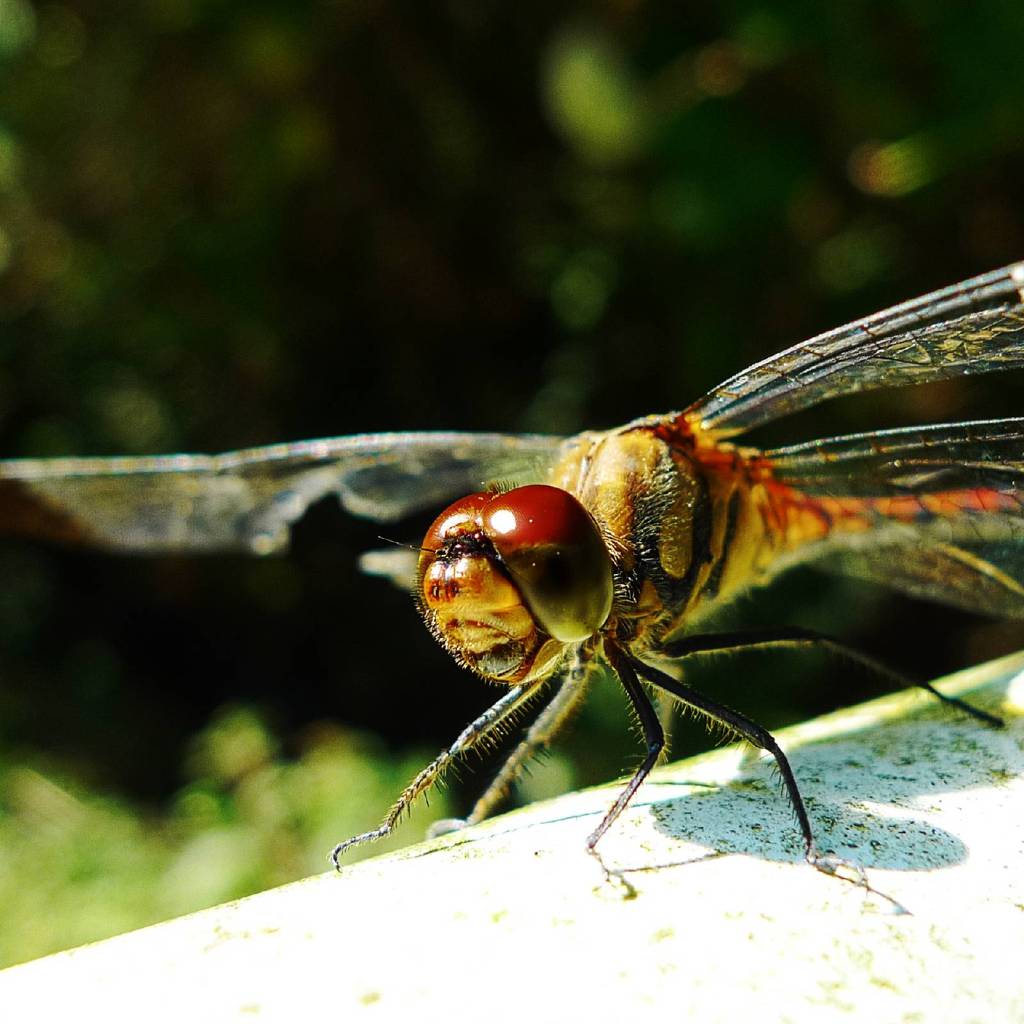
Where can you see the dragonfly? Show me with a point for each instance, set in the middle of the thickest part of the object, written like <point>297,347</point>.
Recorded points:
<point>610,548</point>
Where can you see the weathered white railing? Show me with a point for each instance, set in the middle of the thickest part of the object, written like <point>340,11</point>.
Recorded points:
<point>513,921</point>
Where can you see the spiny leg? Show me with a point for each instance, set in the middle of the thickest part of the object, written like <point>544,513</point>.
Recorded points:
<point>477,730</point>
<point>556,713</point>
<point>796,636</point>
<point>667,707</point>
<point>743,726</point>
<point>828,864</point>
<point>653,735</point>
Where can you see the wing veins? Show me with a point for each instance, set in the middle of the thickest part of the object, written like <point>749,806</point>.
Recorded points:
<point>974,327</point>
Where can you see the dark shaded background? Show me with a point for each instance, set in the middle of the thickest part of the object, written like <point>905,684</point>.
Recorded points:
<point>230,224</point>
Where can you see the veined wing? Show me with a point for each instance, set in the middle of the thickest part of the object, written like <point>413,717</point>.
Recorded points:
<point>977,577</point>
<point>981,456</point>
<point>973,327</point>
<point>246,500</point>
<point>937,512</point>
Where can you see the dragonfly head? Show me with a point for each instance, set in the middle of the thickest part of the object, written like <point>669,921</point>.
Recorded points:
<point>507,580</point>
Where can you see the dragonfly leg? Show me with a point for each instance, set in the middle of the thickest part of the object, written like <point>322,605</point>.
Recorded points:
<point>653,735</point>
<point>745,727</point>
<point>667,705</point>
<point>797,636</point>
<point>629,668</point>
<point>550,721</point>
<point>477,730</point>
<point>828,864</point>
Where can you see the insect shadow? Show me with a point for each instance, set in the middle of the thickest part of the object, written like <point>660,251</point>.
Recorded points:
<point>872,795</point>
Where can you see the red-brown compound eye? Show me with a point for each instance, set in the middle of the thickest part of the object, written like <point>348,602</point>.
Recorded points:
<point>553,551</point>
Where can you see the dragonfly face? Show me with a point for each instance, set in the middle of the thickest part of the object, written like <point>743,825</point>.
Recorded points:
<point>507,580</point>
<point>613,545</point>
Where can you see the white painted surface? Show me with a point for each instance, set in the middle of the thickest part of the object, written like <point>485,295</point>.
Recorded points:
<point>513,921</point>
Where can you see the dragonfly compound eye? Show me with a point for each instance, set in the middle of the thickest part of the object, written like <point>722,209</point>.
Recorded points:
<point>553,551</point>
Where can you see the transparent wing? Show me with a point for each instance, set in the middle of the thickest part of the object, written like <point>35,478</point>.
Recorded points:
<point>246,500</point>
<point>980,578</point>
<point>973,327</point>
<point>980,456</point>
<point>937,512</point>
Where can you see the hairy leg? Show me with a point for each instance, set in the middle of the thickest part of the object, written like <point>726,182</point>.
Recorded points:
<point>476,731</point>
<point>653,735</point>
<point>742,726</point>
<point>760,737</point>
<point>550,721</point>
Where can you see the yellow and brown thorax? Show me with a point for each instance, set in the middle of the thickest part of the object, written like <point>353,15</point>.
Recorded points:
<point>686,530</point>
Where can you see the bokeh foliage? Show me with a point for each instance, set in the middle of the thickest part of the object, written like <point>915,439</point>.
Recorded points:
<point>225,224</point>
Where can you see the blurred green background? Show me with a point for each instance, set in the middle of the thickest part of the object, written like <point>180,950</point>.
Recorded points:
<point>225,224</point>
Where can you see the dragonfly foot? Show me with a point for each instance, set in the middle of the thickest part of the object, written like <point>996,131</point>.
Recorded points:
<point>614,877</point>
<point>445,826</point>
<point>848,871</point>
<point>365,837</point>
<point>830,864</point>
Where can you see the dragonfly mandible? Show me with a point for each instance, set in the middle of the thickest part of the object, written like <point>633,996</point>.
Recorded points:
<point>612,546</point>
